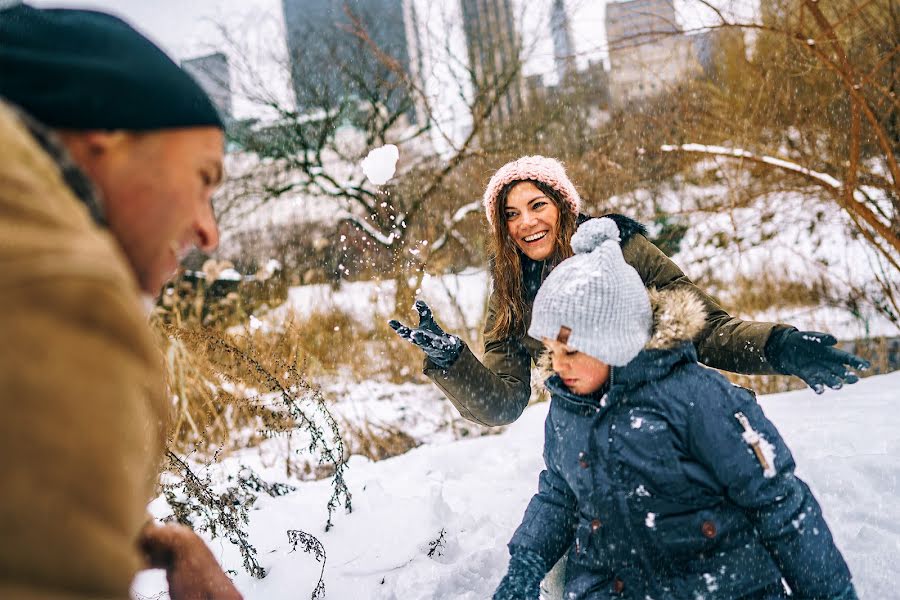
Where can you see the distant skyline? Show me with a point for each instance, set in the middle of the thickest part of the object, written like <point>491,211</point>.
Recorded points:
<point>189,29</point>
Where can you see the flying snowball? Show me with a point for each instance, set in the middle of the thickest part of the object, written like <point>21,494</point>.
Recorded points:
<point>381,163</point>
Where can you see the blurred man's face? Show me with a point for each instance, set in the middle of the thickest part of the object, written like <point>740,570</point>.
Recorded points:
<point>156,191</point>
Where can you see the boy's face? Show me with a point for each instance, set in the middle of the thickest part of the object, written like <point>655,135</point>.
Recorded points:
<point>581,373</point>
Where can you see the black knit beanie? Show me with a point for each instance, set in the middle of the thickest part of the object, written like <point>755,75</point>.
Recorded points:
<point>78,69</point>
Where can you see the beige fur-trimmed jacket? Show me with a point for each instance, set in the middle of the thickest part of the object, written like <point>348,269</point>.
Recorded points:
<point>84,411</point>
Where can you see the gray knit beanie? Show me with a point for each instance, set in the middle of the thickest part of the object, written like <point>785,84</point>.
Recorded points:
<point>594,301</point>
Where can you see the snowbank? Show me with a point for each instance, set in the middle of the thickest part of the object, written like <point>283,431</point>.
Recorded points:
<point>847,445</point>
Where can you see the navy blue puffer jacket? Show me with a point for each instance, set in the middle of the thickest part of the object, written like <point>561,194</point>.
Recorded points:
<point>675,485</point>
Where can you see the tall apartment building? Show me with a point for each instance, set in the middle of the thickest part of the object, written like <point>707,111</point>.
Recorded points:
<point>563,47</point>
<point>329,63</point>
<point>214,76</point>
<point>495,57</point>
<point>634,21</point>
<point>648,52</point>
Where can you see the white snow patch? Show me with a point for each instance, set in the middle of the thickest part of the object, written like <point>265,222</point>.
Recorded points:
<point>759,444</point>
<point>229,275</point>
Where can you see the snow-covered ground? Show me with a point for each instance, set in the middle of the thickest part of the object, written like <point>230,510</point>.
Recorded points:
<point>471,495</point>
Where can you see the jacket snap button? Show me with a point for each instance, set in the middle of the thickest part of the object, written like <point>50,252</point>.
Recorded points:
<point>595,524</point>
<point>582,460</point>
<point>618,586</point>
<point>708,529</point>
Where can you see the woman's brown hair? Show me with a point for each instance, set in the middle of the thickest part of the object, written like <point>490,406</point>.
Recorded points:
<point>506,262</point>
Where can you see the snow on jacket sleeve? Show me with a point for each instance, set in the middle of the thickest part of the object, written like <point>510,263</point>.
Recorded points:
<point>549,523</point>
<point>732,436</point>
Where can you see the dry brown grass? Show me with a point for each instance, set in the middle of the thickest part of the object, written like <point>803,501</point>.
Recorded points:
<point>377,442</point>
<point>221,403</point>
<point>769,290</point>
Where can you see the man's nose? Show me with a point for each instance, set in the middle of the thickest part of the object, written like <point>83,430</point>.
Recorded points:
<point>206,229</point>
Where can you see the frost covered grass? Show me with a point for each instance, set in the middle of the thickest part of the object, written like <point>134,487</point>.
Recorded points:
<point>463,499</point>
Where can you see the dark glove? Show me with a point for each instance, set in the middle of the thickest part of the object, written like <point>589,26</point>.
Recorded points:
<point>523,578</point>
<point>442,348</point>
<point>809,355</point>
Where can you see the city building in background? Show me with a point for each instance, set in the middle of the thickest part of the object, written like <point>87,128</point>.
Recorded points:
<point>214,76</point>
<point>717,47</point>
<point>495,56</point>
<point>332,64</point>
<point>648,52</point>
<point>563,46</point>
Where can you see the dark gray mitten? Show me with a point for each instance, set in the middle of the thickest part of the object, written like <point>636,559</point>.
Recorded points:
<point>523,578</point>
<point>810,355</point>
<point>442,348</point>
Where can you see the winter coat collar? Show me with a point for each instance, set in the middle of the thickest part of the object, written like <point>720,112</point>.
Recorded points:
<point>82,187</point>
<point>678,317</point>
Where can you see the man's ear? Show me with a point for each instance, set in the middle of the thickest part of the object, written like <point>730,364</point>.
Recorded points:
<point>103,142</point>
<point>87,145</point>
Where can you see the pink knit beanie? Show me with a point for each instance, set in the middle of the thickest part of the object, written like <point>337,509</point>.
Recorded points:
<point>535,168</point>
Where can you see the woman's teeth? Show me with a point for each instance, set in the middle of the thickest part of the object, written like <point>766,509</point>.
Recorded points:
<point>535,237</point>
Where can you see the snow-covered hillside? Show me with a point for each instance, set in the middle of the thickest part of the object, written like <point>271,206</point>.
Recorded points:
<point>470,494</point>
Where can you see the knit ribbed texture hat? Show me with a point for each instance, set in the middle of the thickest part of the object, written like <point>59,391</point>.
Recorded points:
<point>535,168</point>
<point>597,296</point>
<point>80,69</point>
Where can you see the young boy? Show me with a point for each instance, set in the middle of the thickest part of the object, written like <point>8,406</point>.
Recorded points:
<point>663,480</point>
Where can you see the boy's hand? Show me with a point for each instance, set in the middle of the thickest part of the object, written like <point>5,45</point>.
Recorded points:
<point>523,579</point>
<point>810,356</point>
<point>443,349</point>
<point>191,569</point>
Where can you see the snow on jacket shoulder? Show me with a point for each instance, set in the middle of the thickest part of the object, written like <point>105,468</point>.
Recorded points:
<point>675,484</point>
<point>83,404</point>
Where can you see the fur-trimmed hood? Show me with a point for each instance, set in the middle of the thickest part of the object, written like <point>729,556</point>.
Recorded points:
<point>678,317</point>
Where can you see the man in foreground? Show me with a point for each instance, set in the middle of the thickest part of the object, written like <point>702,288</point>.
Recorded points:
<point>109,154</point>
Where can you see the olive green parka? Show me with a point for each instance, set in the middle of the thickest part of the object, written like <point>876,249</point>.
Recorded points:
<point>496,389</point>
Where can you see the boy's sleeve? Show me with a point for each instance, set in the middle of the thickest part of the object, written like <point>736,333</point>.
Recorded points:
<point>548,526</point>
<point>731,435</point>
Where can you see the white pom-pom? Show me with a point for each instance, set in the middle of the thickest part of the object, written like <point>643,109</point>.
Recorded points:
<point>592,233</point>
